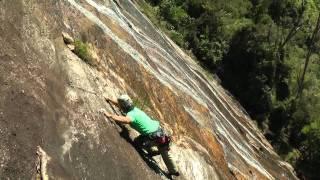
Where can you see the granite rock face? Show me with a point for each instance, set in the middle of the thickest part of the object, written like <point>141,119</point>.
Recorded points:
<point>50,124</point>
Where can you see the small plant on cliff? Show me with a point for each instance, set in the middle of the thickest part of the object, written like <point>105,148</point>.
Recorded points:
<point>82,50</point>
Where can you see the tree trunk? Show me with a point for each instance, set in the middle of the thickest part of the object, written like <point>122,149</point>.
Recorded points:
<point>311,50</point>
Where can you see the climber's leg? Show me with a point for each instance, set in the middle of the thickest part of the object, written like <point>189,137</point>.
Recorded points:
<point>139,141</point>
<point>167,158</point>
<point>144,142</point>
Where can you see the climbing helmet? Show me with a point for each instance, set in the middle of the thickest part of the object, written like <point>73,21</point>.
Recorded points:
<point>125,103</point>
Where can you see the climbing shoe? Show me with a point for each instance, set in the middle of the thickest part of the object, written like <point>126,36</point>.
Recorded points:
<point>174,173</point>
<point>153,153</point>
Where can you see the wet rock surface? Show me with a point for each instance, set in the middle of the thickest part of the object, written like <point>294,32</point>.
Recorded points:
<point>50,98</point>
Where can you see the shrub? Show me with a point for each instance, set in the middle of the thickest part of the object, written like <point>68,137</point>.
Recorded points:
<point>177,38</point>
<point>82,50</point>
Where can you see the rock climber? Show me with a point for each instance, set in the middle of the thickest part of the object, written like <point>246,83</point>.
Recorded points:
<point>151,133</point>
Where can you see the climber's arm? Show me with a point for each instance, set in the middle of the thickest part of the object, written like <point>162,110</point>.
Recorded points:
<point>121,119</point>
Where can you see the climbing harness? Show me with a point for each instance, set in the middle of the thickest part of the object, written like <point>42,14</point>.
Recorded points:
<point>161,138</point>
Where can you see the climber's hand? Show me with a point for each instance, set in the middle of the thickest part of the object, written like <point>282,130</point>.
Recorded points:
<point>102,111</point>
<point>110,100</point>
<point>108,115</point>
<point>107,99</point>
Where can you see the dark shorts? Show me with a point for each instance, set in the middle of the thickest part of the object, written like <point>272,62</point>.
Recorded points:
<point>157,138</point>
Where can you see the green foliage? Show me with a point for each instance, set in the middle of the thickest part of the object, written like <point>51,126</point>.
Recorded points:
<point>252,82</point>
<point>83,52</point>
<point>177,37</point>
<point>310,146</point>
<point>175,15</point>
<point>258,48</point>
<point>285,12</point>
<point>293,156</point>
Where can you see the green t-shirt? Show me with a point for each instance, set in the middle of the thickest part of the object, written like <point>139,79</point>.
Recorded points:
<point>141,122</point>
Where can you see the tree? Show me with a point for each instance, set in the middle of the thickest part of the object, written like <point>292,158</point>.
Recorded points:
<point>247,71</point>
<point>256,47</point>
<point>311,49</point>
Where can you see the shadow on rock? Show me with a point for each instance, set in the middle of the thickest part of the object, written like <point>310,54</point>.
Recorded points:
<point>145,156</point>
<point>124,133</point>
